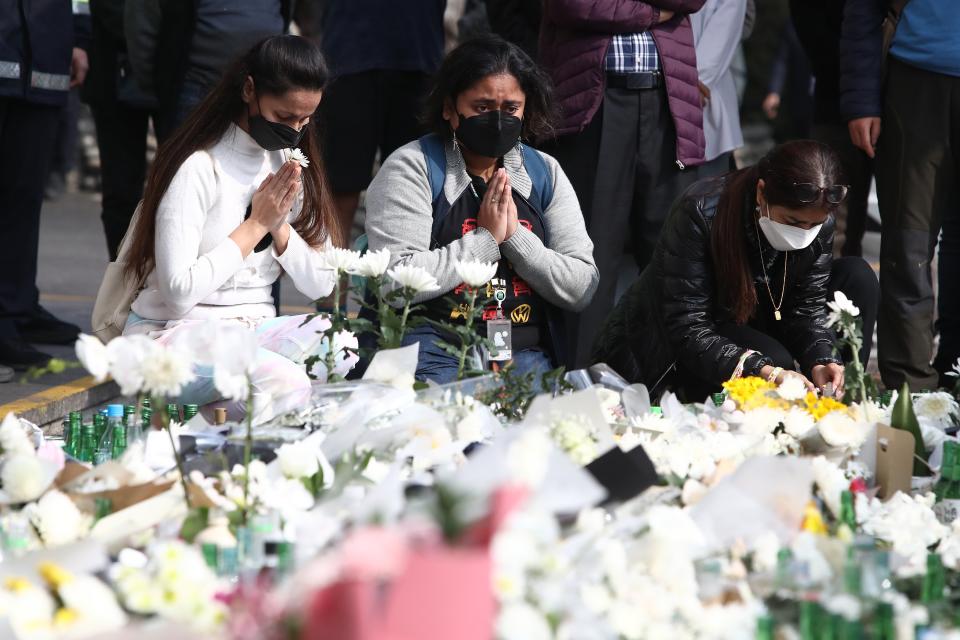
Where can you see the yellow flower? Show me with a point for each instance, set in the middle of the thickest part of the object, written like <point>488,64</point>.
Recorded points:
<point>17,584</point>
<point>813,520</point>
<point>64,617</point>
<point>55,575</point>
<point>819,407</point>
<point>743,391</point>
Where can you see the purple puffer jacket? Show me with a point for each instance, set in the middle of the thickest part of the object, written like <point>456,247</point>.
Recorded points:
<point>574,38</point>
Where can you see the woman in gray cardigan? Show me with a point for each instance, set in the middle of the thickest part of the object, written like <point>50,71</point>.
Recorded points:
<point>473,191</point>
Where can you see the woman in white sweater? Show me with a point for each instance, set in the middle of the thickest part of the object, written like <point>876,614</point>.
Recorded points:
<point>228,208</point>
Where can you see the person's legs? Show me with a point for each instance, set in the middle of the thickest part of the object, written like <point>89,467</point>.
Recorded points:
<point>692,387</point>
<point>948,261</point>
<point>404,92</point>
<point>351,130</point>
<point>27,137</point>
<point>122,141</point>
<point>601,164</point>
<point>915,172</point>
<point>434,364</point>
<point>854,277</point>
<point>659,180</point>
<point>535,361</point>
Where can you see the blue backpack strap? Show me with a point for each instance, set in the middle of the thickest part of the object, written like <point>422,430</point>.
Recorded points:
<point>542,194</point>
<point>435,156</point>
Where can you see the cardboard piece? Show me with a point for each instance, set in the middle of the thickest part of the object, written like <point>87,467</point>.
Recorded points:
<point>894,460</point>
<point>624,475</point>
<point>121,498</point>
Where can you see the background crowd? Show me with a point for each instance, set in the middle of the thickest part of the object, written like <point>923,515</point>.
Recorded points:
<point>652,97</point>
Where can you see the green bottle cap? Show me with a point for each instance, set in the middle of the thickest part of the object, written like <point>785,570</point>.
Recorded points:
<point>190,410</point>
<point>719,398</point>
<point>657,411</point>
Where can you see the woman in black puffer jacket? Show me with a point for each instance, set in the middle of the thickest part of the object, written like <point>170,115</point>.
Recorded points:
<point>739,282</point>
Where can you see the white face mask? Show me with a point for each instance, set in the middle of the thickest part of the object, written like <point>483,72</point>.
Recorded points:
<point>786,237</point>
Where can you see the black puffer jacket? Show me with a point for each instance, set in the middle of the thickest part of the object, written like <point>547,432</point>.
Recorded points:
<point>670,315</point>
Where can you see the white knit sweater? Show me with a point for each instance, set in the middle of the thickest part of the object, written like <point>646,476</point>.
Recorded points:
<point>200,272</point>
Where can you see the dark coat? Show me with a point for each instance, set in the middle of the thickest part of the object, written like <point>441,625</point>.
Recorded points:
<point>36,48</point>
<point>861,54</point>
<point>670,315</point>
<point>574,37</point>
<point>817,25</point>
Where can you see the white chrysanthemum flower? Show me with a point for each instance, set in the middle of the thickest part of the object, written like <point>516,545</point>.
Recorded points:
<point>939,407</point>
<point>831,482</point>
<point>127,355</point>
<point>341,260</point>
<point>93,356</point>
<point>297,461</point>
<point>475,273</point>
<point>955,370</point>
<point>24,477</point>
<point>414,278</point>
<point>840,305</point>
<point>58,520</point>
<point>792,389</point>
<point>372,264</point>
<point>761,420</point>
<point>13,438</point>
<point>298,156</point>
<point>520,621</point>
<point>908,523</point>
<point>798,423</point>
<point>838,429</point>
<point>166,371</point>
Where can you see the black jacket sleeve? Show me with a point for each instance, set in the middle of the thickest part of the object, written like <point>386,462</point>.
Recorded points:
<point>861,47</point>
<point>805,316</point>
<point>688,293</point>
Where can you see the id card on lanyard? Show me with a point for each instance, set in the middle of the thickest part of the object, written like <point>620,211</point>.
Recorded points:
<point>500,329</point>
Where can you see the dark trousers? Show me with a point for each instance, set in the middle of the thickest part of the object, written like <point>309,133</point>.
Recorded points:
<point>917,186</point>
<point>122,140</point>
<point>624,170</point>
<point>853,276</point>
<point>28,133</point>
<point>858,169</point>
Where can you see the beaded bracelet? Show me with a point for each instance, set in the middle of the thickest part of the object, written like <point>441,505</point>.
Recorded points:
<point>738,371</point>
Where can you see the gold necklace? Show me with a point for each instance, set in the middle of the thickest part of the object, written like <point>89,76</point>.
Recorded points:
<point>766,280</point>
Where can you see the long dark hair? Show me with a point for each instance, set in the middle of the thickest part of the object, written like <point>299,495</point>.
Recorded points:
<point>484,56</point>
<point>277,64</point>
<point>787,164</point>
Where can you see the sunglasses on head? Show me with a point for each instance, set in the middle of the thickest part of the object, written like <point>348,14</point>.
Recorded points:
<point>807,192</point>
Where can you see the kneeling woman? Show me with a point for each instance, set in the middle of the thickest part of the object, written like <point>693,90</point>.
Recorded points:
<point>226,211</point>
<point>740,280</point>
<point>473,191</point>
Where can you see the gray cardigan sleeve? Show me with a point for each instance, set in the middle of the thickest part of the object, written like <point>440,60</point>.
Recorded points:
<point>564,272</point>
<point>400,219</point>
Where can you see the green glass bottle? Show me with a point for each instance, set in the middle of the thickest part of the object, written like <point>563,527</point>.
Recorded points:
<point>173,412</point>
<point>808,620</point>
<point>119,441</point>
<point>934,582</point>
<point>947,489</point>
<point>719,399</point>
<point>852,576</point>
<point>129,411</point>
<point>884,627</point>
<point>903,417</point>
<point>765,628</point>
<point>146,417</point>
<point>885,398</point>
<point>784,575</point>
<point>99,425</point>
<point>851,630</point>
<point>88,443</point>
<point>190,410</point>
<point>75,418</point>
<point>68,437</point>
<point>848,515</point>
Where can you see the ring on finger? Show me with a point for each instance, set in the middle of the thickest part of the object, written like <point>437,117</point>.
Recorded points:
<point>494,200</point>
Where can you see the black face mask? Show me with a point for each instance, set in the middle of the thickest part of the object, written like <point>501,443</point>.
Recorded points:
<point>273,136</point>
<point>490,134</point>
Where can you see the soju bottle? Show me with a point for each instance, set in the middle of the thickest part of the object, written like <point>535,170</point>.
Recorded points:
<point>190,410</point>
<point>146,417</point>
<point>884,627</point>
<point>105,446</point>
<point>67,436</point>
<point>947,489</point>
<point>765,628</point>
<point>88,443</point>
<point>99,426</point>
<point>76,432</point>
<point>934,582</point>
<point>119,441</point>
<point>808,620</point>
<point>173,412</point>
<point>129,412</point>
<point>852,575</point>
<point>848,515</point>
<point>903,417</point>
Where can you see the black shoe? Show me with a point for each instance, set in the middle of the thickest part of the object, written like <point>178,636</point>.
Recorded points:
<point>6,374</point>
<point>20,355</point>
<point>42,327</point>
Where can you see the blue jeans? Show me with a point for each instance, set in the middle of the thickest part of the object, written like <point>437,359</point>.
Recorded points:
<point>438,366</point>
